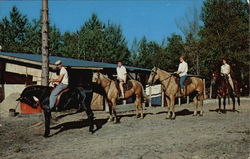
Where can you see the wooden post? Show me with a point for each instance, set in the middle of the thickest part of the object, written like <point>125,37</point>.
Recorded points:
<point>179,101</point>
<point>210,91</point>
<point>45,46</point>
<point>2,81</point>
<point>150,96</point>
<point>162,97</point>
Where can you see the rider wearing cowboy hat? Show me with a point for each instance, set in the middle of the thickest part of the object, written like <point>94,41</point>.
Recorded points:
<point>63,81</point>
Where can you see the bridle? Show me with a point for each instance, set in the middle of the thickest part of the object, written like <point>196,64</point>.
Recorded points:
<point>110,81</point>
<point>154,74</point>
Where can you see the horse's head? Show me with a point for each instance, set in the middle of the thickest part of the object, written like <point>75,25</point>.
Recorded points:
<point>153,76</point>
<point>27,97</point>
<point>215,76</point>
<point>96,77</point>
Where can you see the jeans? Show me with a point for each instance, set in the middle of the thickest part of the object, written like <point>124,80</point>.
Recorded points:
<point>54,93</point>
<point>182,80</point>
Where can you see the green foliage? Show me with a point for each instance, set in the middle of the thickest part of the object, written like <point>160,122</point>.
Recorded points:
<point>225,33</point>
<point>13,31</point>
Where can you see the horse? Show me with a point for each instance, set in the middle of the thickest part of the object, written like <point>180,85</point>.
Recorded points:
<point>75,98</point>
<point>112,94</point>
<point>223,90</point>
<point>171,89</point>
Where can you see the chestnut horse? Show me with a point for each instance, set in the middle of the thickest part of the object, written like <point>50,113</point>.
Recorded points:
<point>112,94</point>
<point>171,89</point>
<point>223,90</point>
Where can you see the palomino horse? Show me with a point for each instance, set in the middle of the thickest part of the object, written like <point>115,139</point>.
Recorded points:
<point>112,94</point>
<point>223,90</point>
<point>76,98</point>
<point>171,89</point>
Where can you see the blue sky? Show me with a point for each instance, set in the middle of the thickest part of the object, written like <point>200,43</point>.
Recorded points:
<point>154,19</point>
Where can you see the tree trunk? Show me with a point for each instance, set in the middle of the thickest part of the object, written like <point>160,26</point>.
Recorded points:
<point>45,47</point>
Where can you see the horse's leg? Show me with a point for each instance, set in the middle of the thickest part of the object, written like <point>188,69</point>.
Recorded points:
<point>238,100</point>
<point>136,107</point>
<point>47,116</point>
<point>172,99</point>
<point>219,98</point>
<point>196,105</point>
<point>139,107</point>
<point>110,111</point>
<point>168,107</point>
<point>224,104</point>
<point>113,100</point>
<point>233,99</point>
<point>90,115</point>
<point>201,104</point>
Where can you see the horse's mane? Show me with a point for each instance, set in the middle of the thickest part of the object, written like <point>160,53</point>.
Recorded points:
<point>164,72</point>
<point>106,77</point>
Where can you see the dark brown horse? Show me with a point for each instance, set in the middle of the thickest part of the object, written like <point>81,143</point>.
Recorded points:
<point>223,90</point>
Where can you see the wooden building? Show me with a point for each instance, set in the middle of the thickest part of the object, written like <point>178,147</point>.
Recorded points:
<point>17,70</point>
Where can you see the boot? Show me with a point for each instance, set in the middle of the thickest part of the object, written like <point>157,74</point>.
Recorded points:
<point>182,92</point>
<point>121,96</point>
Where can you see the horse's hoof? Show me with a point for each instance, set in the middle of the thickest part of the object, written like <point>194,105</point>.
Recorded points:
<point>200,114</point>
<point>173,118</point>
<point>194,114</point>
<point>168,117</point>
<point>110,120</point>
<point>46,135</point>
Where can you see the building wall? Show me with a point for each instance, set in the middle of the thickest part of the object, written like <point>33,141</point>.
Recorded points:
<point>97,101</point>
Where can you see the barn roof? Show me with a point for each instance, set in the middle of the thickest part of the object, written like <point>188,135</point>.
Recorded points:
<point>68,62</point>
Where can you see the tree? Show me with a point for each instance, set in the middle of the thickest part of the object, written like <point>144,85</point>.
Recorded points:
<point>70,45</point>
<point>45,46</point>
<point>174,50</point>
<point>100,42</point>
<point>55,41</point>
<point>225,33</point>
<point>190,26</point>
<point>91,38</point>
<point>13,31</point>
<point>115,45</point>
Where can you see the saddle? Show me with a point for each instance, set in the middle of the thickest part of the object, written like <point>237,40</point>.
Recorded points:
<point>126,86</point>
<point>186,82</point>
<point>59,96</point>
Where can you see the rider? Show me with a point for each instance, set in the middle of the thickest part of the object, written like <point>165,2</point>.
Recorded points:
<point>121,76</point>
<point>63,81</point>
<point>225,71</point>
<point>182,72</point>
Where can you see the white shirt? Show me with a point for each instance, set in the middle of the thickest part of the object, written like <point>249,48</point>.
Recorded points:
<point>225,69</point>
<point>183,69</point>
<point>65,79</point>
<point>121,73</point>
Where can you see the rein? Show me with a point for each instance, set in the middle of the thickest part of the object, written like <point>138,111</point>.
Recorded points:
<point>166,78</point>
<point>110,81</point>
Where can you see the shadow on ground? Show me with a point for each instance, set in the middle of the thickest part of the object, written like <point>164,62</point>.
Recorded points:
<point>78,125</point>
<point>183,112</point>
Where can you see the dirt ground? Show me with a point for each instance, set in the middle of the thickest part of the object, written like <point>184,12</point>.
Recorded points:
<point>213,136</point>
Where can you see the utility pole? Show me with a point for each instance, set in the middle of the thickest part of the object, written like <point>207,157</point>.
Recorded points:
<point>45,46</point>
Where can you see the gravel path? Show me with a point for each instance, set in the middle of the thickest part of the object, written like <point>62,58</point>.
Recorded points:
<point>222,136</point>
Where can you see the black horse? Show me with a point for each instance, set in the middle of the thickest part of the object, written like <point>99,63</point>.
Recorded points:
<point>75,98</point>
<point>223,89</point>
